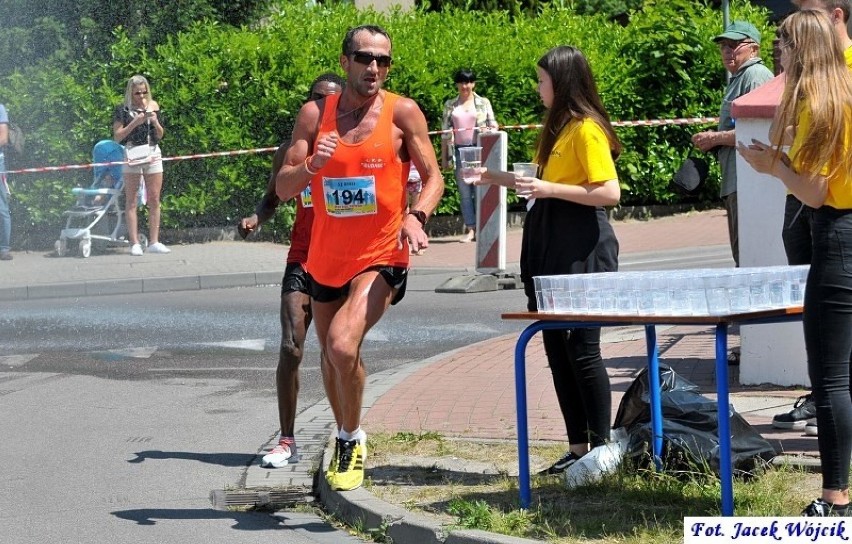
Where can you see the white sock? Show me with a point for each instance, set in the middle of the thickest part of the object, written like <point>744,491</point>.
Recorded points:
<point>349,436</point>
<point>358,434</point>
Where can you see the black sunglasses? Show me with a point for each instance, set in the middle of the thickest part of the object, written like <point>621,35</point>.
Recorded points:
<point>362,57</point>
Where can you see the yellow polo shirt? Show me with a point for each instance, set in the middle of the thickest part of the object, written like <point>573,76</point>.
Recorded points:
<point>839,184</point>
<point>580,155</point>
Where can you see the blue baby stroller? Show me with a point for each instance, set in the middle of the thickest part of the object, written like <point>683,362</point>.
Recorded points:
<point>98,214</point>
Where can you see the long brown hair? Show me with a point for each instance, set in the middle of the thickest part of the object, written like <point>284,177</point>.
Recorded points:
<point>575,96</point>
<point>817,79</point>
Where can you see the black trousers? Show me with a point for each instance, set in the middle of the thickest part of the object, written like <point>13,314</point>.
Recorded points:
<point>796,232</point>
<point>828,339</point>
<point>566,238</point>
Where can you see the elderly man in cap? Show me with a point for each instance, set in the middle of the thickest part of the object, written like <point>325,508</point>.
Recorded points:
<point>740,49</point>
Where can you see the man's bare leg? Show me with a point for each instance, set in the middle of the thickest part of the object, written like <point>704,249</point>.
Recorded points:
<point>341,327</point>
<point>295,317</point>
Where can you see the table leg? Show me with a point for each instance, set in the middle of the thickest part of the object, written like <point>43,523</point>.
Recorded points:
<point>656,397</point>
<point>525,494</point>
<point>726,473</point>
<point>521,413</point>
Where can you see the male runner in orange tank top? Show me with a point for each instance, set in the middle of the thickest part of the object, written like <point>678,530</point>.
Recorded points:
<point>353,151</point>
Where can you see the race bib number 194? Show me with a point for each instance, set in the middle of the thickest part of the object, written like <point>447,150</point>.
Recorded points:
<point>350,197</point>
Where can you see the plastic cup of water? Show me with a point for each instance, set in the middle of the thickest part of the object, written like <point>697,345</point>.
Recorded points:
<point>660,292</point>
<point>718,298</point>
<point>562,301</point>
<point>679,292</point>
<point>645,299</point>
<point>471,162</point>
<point>609,297</point>
<point>627,294</point>
<point>740,293</point>
<point>797,286</point>
<point>759,290</point>
<point>524,170</point>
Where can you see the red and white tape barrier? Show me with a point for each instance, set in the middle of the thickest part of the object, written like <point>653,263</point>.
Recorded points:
<point>640,123</point>
<point>66,167</point>
<point>137,163</point>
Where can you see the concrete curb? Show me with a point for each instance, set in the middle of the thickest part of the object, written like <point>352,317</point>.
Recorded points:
<point>129,286</point>
<point>360,508</point>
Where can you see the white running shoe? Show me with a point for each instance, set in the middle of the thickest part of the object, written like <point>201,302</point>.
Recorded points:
<point>159,247</point>
<point>280,456</point>
<point>136,250</point>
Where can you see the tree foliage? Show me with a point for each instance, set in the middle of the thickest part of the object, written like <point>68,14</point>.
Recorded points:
<point>224,87</point>
<point>63,31</point>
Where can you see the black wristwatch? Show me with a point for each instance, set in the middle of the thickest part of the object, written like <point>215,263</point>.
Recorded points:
<point>420,215</point>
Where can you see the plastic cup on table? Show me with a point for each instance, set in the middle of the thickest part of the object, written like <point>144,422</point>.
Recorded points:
<point>679,290</point>
<point>471,162</point>
<point>718,298</point>
<point>660,292</point>
<point>561,293</point>
<point>697,297</point>
<point>739,293</point>
<point>645,299</point>
<point>579,296</point>
<point>562,301</point>
<point>594,298</point>
<point>544,302</point>
<point>779,297</point>
<point>759,289</point>
<point>539,295</point>
<point>609,298</point>
<point>797,287</point>
<point>627,294</point>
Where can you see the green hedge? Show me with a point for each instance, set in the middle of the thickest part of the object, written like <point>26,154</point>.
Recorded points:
<point>225,88</point>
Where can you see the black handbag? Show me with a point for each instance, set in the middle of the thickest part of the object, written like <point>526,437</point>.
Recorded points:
<point>691,175</point>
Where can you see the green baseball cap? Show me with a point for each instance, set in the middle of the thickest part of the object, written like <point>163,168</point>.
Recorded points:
<point>739,30</point>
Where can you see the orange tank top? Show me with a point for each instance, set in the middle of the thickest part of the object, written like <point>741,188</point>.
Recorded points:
<point>358,219</point>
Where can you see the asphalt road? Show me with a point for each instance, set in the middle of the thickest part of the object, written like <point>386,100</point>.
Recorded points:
<point>88,384</point>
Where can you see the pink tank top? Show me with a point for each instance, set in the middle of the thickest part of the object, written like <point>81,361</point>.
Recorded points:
<point>465,122</point>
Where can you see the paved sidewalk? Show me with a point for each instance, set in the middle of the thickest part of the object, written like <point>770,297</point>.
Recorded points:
<point>468,392</point>
<point>112,270</point>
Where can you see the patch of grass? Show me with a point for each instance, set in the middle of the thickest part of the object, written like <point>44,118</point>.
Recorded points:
<point>466,484</point>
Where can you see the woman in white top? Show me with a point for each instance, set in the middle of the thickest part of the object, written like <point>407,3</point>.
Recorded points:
<point>464,116</point>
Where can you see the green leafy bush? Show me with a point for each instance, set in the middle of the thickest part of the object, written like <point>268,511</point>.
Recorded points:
<point>225,88</point>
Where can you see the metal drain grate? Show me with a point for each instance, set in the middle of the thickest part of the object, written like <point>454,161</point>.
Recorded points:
<point>225,500</point>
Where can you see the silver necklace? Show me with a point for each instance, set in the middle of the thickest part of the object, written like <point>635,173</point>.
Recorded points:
<point>359,117</point>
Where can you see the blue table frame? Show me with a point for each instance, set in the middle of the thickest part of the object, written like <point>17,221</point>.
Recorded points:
<point>545,321</point>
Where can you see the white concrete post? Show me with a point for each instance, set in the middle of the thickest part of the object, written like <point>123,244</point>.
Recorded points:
<point>770,353</point>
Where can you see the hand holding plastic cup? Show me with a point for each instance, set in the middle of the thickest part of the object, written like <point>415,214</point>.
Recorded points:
<point>471,162</point>
<point>524,170</point>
